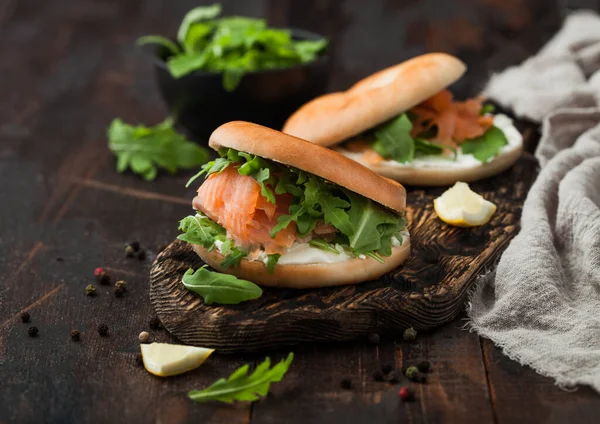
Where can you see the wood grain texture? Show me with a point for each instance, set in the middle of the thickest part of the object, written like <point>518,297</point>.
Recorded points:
<point>429,290</point>
<point>68,68</point>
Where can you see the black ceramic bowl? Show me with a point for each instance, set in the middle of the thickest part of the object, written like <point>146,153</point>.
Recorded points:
<point>200,104</point>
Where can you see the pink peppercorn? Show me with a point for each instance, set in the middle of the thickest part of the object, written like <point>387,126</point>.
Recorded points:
<point>405,394</point>
<point>98,271</point>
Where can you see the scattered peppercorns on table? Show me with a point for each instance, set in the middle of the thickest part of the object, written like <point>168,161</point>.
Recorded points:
<point>154,323</point>
<point>405,394</point>
<point>374,338</point>
<point>409,334</point>
<point>103,330</point>
<point>90,290</point>
<point>144,337</point>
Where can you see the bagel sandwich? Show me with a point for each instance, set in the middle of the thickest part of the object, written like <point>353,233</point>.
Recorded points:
<point>280,211</point>
<point>403,123</point>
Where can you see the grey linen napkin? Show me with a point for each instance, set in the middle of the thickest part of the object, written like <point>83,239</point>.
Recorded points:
<point>542,304</point>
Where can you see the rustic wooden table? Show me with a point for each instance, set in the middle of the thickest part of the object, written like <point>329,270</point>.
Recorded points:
<point>68,68</point>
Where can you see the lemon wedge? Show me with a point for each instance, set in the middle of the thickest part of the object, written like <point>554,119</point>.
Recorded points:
<point>462,207</point>
<point>164,359</point>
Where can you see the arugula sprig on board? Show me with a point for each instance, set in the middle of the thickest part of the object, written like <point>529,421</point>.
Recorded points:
<point>215,287</point>
<point>232,45</point>
<point>243,387</point>
<point>146,149</point>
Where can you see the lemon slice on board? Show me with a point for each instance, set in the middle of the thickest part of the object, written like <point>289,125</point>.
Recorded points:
<point>462,207</point>
<point>164,359</point>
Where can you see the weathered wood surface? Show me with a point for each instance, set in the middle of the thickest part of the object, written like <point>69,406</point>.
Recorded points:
<point>427,291</point>
<point>68,67</point>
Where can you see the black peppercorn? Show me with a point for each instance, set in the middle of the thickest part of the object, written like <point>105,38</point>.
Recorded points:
<point>129,251</point>
<point>59,259</point>
<point>386,368</point>
<point>374,338</point>
<point>119,291</point>
<point>135,245</point>
<point>378,376</point>
<point>409,334</point>
<point>424,366</point>
<point>75,336</point>
<point>346,384</point>
<point>103,278</point>
<point>25,317</point>
<point>393,377</point>
<point>139,360</point>
<point>141,255</point>
<point>103,330</point>
<point>32,331</point>
<point>154,323</point>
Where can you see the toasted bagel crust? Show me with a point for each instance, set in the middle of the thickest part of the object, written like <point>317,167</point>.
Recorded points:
<point>335,117</point>
<point>307,276</point>
<point>438,177</point>
<point>312,158</point>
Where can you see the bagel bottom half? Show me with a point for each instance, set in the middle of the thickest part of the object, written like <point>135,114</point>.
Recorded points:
<point>437,177</point>
<point>306,276</point>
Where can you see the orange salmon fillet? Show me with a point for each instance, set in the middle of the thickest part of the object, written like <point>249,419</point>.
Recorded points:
<point>234,202</point>
<point>455,121</point>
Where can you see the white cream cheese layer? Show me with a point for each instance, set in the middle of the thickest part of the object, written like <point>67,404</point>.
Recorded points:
<point>304,253</point>
<point>503,122</point>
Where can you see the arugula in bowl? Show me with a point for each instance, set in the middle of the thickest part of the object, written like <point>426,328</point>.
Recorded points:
<point>232,45</point>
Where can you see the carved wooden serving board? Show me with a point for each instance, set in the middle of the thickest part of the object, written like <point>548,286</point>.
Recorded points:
<point>430,289</point>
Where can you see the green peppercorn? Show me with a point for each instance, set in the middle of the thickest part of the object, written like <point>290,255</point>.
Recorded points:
<point>90,290</point>
<point>121,284</point>
<point>412,373</point>
<point>409,334</point>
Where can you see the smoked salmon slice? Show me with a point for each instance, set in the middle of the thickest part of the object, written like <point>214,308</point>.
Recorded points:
<point>234,202</point>
<point>455,121</point>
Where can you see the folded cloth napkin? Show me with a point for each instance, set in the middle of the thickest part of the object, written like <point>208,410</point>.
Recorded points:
<point>542,303</point>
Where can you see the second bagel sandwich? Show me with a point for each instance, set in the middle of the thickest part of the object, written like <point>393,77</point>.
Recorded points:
<point>403,123</point>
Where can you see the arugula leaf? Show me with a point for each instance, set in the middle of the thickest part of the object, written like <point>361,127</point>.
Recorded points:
<point>197,14</point>
<point>426,147</point>
<point>487,108</point>
<point>161,41</point>
<point>233,256</point>
<point>272,261</point>
<point>244,387</point>
<point>323,245</point>
<point>487,146</point>
<point>199,229</point>
<point>284,220</point>
<point>393,140</point>
<point>144,149</point>
<point>367,218</point>
<point>334,213</point>
<point>224,289</point>
<point>232,46</point>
